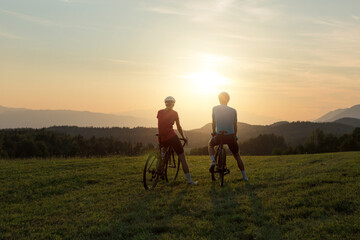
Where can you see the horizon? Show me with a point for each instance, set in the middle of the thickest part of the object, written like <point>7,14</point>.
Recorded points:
<point>155,123</point>
<point>279,60</point>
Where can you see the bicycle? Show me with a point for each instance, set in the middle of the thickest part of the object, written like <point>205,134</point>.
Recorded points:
<point>161,164</point>
<point>220,161</point>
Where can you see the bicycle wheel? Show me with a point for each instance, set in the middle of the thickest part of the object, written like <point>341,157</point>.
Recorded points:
<point>222,160</point>
<point>150,174</point>
<point>172,166</point>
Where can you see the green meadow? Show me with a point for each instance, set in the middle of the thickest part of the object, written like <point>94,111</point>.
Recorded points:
<point>287,197</point>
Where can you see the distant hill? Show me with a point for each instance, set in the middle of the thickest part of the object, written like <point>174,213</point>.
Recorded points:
<point>294,132</point>
<point>25,118</point>
<point>133,129</point>
<point>6,109</point>
<point>355,122</point>
<point>353,112</point>
<point>279,123</point>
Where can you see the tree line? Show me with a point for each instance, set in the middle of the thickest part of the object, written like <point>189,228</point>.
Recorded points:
<point>317,142</point>
<point>28,143</point>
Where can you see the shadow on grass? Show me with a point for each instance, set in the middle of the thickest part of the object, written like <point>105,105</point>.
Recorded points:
<point>228,220</point>
<point>265,230</point>
<point>145,217</point>
<point>238,214</point>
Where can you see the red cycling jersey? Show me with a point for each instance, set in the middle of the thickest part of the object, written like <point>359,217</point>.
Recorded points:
<point>166,121</point>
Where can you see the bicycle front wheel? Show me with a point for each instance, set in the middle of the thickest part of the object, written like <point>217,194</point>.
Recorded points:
<point>150,174</point>
<point>172,167</point>
<point>222,160</point>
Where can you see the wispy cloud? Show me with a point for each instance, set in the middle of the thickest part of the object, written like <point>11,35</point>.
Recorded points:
<point>193,10</point>
<point>41,21</point>
<point>128,62</point>
<point>260,13</point>
<point>165,10</point>
<point>251,39</point>
<point>329,22</point>
<point>9,35</point>
<point>28,18</point>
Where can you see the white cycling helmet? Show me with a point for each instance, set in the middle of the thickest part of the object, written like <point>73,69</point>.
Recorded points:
<point>169,99</point>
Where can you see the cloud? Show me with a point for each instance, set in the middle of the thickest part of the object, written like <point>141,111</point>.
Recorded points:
<point>128,62</point>
<point>165,10</point>
<point>198,11</point>
<point>328,22</point>
<point>261,13</point>
<point>251,39</point>
<point>9,35</point>
<point>28,18</point>
<point>42,21</point>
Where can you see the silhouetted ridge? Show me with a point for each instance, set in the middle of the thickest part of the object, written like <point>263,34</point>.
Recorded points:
<point>352,112</point>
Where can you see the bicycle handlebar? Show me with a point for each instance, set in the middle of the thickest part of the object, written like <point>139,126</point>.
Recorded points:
<point>185,141</point>
<point>181,139</point>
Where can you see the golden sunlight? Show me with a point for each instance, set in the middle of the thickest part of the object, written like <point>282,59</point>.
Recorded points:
<point>207,82</point>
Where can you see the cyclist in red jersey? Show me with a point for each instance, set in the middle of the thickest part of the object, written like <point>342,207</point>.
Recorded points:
<point>167,136</point>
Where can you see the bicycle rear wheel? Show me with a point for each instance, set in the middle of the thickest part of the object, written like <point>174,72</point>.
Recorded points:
<point>222,160</point>
<point>150,174</point>
<point>172,167</point>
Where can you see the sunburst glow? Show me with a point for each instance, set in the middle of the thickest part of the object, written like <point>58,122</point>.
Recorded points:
<point>207,82</point>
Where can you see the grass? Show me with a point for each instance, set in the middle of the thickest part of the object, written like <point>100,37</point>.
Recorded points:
<point>287,197</point>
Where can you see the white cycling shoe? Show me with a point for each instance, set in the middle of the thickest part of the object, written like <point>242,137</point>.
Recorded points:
<point>193,183</point>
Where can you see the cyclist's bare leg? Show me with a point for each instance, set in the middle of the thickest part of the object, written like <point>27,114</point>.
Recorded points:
<point>240,165</point>
<point>185,168</point>
<point>239,161</point>
<point>211,148</point>
<point>184,164</point>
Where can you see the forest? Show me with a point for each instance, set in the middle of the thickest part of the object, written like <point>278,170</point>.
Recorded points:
<point>43,143</point>
<point>317,142</point>
<point>28,143</point>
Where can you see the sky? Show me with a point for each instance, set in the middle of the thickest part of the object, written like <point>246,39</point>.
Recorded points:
<point>278,59</point>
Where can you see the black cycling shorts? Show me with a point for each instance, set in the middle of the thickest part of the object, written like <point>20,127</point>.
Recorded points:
<point>227,139</point>
<point>175,143</point>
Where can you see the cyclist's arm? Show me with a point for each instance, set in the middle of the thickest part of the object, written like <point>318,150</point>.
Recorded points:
<point>235,125</point>
<point>214,126</point>
<point>179,128</point>
<point>235,128</point>
<point>213,123</point>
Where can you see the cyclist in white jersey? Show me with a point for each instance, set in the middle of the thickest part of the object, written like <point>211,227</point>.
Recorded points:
<point>224,118</point>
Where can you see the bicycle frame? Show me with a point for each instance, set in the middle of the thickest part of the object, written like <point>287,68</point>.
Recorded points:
<point>165,161</point>
<point>220,161</point>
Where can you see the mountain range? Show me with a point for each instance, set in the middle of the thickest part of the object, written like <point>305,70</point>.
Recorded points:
<point>352,112</point>
<point>26,118</point>
<point>293,132</point>
<point>126,128</point>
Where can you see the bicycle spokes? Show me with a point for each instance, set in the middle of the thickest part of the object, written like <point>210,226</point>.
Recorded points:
<point>172,163</point>
<point>150,174</point>
<point>172,168</point>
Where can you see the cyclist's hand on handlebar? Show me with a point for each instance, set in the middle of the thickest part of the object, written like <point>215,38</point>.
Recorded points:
<point>185,140</point>
<point>213,134</point>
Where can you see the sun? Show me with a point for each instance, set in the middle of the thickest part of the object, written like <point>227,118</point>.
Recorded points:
<point>207,81</point>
